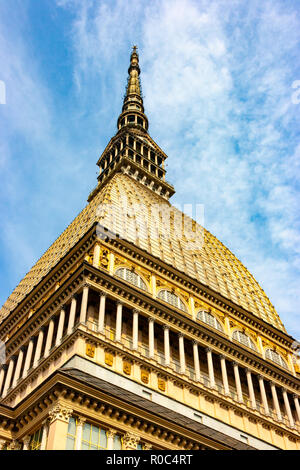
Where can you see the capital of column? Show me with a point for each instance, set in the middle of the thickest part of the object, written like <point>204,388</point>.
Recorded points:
<point>119,302</point>
<point>23,348</point>
<point>102,294</point>
<point>208,350</point>
<point>80,420</point>
<point>135,310</point>
<point>295,396</point>
<point>130,440</point>
<point>26,441</point>
<point>166,327</point>
<point>195,342</point>
<point>61,412</point>
<point>63,307</point>
<point>2,443</point>
<point>85,284</point>
<point>14,445</point>
<point>150,320</point>
<point>180,335</point>
<point>147,446</point>
<point>74,296</point>
<point>111,433</point>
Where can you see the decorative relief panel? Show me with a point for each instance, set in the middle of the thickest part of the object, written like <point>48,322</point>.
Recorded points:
<point>161,384</point>
<point>90,350</point>
<point>144,376</point>
<point>126,367</point>
<point>109,359</point>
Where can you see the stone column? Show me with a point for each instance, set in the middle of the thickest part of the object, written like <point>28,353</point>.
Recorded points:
<point>275,401</point>
<point>151,337</point>
<point>251,389</point>
<point>167,344</point>
<point>263,394</point>
<point>210,368</point>
<point>72,315</point>
<point>79,428</point>
<point>38,348</point>
<point>119,322</point>
<point>224,375</point>
<point>60,328</point>
<point>84,302</point>
<point>28,358</point>
<point>135,329</point>
<point>8,375</point>
<point>18,367</point>
<point>196,361</point>
<point>49,338</point>
<point>96,257</point>
<point>110,438</point>
<point>44,435</point>
<point>58,428</point>
<point>297,406</point>
<point>2,375</point>
<point>26,442</point>
<point>130,441</point>
<point>238,382</point>
<point>288,408</point>
<point>101,316</point>
<point>181,353</point>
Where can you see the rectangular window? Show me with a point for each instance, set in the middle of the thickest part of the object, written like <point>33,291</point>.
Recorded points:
<point>36,440</point>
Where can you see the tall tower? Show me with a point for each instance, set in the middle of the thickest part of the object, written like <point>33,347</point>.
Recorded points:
<point>131,333</point>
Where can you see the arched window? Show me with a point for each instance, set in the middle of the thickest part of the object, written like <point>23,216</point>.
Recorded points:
<point>172,299</point>
<point>208,318</point>
<point>131,277</point>
<point>244,339</point>
<point>275,357</point>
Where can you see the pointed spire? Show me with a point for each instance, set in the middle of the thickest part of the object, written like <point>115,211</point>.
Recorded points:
<point>133,107</point>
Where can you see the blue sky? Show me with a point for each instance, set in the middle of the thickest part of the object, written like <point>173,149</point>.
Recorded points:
<point>217,81</point>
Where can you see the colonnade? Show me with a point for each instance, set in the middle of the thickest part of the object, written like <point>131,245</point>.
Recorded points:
<point>39,347</point>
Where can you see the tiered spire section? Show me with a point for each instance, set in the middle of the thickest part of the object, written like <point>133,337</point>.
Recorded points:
<point>133,106</point>
<point>132,151</point>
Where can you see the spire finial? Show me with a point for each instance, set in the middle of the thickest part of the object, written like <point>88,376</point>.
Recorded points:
<point>133,106</point>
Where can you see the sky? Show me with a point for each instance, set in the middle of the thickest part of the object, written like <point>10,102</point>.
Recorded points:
<point>221,86</point>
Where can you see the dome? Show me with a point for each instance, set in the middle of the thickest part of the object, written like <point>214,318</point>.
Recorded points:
<point>121,205</point>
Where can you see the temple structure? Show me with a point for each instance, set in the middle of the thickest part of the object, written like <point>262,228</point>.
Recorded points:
<point>133,333</point>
